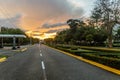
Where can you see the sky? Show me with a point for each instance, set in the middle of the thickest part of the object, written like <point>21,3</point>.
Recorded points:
<point>44,16</point>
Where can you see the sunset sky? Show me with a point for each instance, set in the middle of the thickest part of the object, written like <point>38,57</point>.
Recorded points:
<point>44,16</point>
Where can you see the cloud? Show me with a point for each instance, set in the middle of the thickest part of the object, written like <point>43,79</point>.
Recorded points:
<point>48,25</point>
<point>38,12</point>
<point>11,22</point>
<point>54,31</point>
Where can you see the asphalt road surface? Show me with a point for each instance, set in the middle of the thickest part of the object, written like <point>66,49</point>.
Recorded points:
<point>40,62</point>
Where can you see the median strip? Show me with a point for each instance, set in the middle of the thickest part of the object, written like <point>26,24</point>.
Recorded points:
<point>107,68</point>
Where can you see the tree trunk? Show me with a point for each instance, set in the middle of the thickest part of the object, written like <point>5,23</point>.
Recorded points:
<point>110,37</point>
<point>110,41</point>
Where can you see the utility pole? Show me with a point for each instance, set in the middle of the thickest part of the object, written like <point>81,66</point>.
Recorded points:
<point>1,42</point>
<point>31,38</point>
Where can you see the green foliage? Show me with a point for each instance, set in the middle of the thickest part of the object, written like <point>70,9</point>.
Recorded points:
<point>109,59</point>
<point>62,36</point>
<point>9,41</point>
<point>83,34</point>
<point>89,37</point>
<point>1,56</point>
<point>107,13</point>
<point>74,48</point>
<point>112,62</point>
<point>73,23</point>
<point>118,32</point>
<point>100,35</point>
<point>101,49</point>
<point>11,31</point>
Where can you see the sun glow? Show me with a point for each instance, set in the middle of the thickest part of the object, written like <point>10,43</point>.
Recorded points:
<point>41,36</point>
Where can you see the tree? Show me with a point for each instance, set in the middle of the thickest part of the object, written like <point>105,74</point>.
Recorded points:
<point>62,37</point>
<point>5,30</point>
<point>89,38</point>
<point>74,24</point>
<point>96,16</point>
<point>110,15</point>
<point>100,36</point>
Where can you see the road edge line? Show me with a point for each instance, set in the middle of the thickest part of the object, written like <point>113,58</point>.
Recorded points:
<point>104,67</point>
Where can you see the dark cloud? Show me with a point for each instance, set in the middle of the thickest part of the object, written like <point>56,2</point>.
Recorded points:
<point>11,22</point>
<point>54,31</point>
<point>42,11</point>
<point>47,25</point>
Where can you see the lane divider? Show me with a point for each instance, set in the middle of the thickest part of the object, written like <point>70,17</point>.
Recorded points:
<point>104,67</point>
<point>44,72</point>
<point>3,59</point>
<point>43,66</point>
<point>41,54</point>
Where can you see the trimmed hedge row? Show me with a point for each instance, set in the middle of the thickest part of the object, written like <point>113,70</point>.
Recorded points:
<point>102,49</point>
<point>64,46</point>
<point>76,52</point>
<point>112,62</point>
<point>116,45</point>
<point>109,61</point>
<point>110,56</point>
<point>113,50</point>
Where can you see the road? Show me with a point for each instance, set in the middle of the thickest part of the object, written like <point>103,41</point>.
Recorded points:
<point>40,62</point>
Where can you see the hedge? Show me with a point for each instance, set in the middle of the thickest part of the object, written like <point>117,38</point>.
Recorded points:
<point>76,52</point>
<point>112,62</point>
<point>102,49</point>
<point>109,61</point>
<point>63,46</point>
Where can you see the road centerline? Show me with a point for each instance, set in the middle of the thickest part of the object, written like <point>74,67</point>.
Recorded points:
<point>43,66</point>
<point>41,54</point>
<point>44,72</point>
<point>40,50</point>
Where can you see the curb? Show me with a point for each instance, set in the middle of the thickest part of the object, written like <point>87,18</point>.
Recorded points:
<point>3,59</point>
<point>104,67</point>
<point>24,49</point>
<point>21,50</point>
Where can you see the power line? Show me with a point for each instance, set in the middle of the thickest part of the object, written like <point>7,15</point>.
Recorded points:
<point>5,13</point>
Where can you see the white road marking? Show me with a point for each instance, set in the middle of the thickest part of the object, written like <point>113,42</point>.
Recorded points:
<point>43,66</point>
<point>44,73</point>
<point>40,50</point>
<point>41,54</point>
